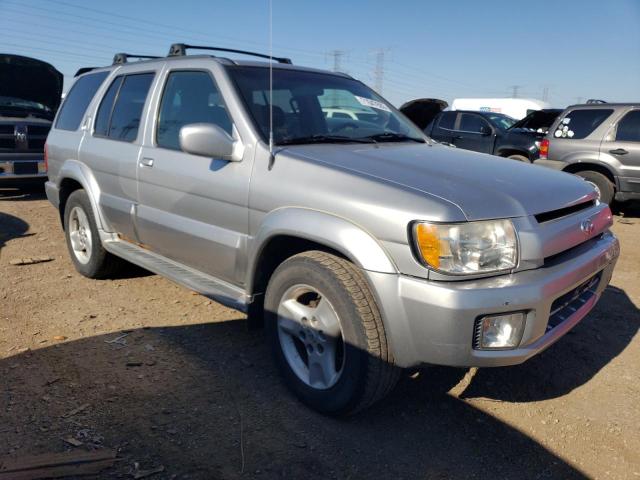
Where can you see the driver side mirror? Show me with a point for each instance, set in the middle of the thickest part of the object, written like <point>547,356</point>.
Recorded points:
<point>209,140</point>
<point>486,131</point>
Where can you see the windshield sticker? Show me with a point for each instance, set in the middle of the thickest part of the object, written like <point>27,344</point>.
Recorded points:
<point>368,102</point>
<point>566,120</point>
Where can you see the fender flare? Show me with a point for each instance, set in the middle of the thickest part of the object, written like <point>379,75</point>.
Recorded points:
<point>75,170</point>
<point>335,232</point>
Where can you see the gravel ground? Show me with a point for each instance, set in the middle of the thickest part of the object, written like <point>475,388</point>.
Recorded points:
<point>171,379</point>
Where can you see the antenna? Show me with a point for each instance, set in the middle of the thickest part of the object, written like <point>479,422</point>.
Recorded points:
<point>271,78</point>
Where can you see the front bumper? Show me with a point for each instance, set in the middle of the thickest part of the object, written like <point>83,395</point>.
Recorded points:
<point>429,322</point>
<point>22,169</point>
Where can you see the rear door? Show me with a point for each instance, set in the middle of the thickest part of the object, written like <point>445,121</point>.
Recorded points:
<point>625,150</point>
<point>443,128</point>
<point>193,209</point>
<point>113,148</point>
<point>474,133</point>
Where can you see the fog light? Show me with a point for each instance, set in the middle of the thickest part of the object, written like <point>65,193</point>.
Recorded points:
<point>500,331</point>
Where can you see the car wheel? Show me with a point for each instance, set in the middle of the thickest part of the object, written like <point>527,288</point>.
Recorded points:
<point>327,335</point>
<point>83,241</point>
<point>520,158</point>
<point>603,186</point>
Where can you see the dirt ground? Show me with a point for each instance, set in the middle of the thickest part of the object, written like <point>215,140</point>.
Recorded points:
<point>172,380</point>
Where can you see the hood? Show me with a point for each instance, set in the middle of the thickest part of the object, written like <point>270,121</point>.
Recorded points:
<point>30,79</point>
<point>482,186</point>
<point>538,120</point>
<point>421,111</point>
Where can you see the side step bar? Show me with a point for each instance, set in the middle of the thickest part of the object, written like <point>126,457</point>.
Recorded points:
<point>211,287</point>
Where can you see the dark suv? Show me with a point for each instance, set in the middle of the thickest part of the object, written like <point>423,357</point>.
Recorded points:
<point>29,97</point>
<point>601,143</point>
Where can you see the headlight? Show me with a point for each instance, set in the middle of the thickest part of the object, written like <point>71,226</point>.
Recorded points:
<point>467,248</point>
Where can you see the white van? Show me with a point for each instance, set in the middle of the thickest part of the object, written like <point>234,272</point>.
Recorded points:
<point>514,107</point>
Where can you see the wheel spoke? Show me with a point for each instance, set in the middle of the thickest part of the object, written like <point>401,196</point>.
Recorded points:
<point>74,236</point>
<point>289,326</point>
<point>327,319</point>
<point>294,310</point>
<point>322,368</point>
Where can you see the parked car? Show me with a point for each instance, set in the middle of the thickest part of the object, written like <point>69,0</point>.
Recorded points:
<point>517,108</point>
<point>601,143</point>
<point>484,132</point>
<point>29,97</point>
<point>364,248</point>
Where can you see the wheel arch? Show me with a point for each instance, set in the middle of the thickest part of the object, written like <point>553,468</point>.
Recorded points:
<point>74,176</point>
<point>596,167</point>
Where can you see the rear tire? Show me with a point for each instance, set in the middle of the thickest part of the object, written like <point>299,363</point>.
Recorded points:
<point>360,365</point>
<point>520,158</point>
<point>601,183</point>
<point>83,240</point>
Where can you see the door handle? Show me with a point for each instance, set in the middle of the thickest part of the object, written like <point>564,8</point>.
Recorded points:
<point>146,162</point>
<point>619,151</point>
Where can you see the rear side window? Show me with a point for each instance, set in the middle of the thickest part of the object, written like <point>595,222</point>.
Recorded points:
<point>580,124</point>
<point>189,97</point>
<point>104,110</point>
<point>629,127</point>
<point>121,120</point>
<point>78,99</point>
<point>447,120</point>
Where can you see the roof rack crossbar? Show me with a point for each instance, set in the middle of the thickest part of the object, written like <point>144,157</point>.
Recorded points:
<point>120,58</point>
<point>180,49</point>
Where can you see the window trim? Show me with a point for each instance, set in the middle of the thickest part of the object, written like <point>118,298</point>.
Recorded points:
<point>113,106</point>
<point>156,117</point>
<point>56,120</point>
<point>615,138</point>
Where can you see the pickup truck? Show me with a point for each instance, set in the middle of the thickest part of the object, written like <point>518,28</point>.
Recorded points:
<point>363,247</point>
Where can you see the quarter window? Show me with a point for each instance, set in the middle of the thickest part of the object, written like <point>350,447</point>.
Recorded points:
<point>629,127</point>
<point>78,99</point>
<point>579,124</point>
<point>189,97</point>
<point>104,110</point>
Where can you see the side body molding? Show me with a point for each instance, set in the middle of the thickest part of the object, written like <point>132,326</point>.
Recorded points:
<point>335,232</point>
<point>78,171</point>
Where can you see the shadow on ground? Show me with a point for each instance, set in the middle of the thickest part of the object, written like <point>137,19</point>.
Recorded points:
<point>11,227</point>
<point>203,400</point>
<point>33,190</point>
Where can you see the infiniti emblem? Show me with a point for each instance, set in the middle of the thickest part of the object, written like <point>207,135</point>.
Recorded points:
<point>587,227</point>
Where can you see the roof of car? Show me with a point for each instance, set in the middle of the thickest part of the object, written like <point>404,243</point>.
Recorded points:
<point>220,60</point>
<point>604,105</point>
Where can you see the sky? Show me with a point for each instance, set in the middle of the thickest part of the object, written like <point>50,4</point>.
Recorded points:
<point>565,50</point>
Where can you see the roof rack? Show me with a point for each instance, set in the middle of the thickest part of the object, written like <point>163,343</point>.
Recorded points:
<point>180,49</point>
<point>120,58</point>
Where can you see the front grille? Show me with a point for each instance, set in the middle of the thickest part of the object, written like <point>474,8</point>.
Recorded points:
<point>8,143</point>
<point>6,129</point>
<point>563,212</point>
<point>566,305</point>
<point>37,143</point>
<point>39,129</point>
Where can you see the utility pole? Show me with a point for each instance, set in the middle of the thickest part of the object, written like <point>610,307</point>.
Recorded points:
<point>515,89</point>
<point>378,71</point>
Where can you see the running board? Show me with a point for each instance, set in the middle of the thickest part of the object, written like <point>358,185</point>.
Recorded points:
<point>211,287</point>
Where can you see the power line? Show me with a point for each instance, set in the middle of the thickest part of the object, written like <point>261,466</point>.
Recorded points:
<point>378,71</point>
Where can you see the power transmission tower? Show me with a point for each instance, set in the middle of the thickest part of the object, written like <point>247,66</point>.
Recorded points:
<point>515,89</point>
<point>545,93</point>
<point>378,71</point>
<point>337,56</point>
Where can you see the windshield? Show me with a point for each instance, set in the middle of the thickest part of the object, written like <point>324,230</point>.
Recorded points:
<point>501,120</point>
<point>310,107</point>
<point>21,103</point>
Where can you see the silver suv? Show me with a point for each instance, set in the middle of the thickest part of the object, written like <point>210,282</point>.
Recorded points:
<point>363,246</point>
<point>601,143</point>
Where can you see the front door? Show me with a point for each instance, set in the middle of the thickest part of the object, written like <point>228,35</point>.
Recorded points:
<point>474,133</point>
<point>193,209</point>
<point>625,150</point>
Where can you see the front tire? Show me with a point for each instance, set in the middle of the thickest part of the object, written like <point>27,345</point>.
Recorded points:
<point>327,335</point>
<point>83,241</point>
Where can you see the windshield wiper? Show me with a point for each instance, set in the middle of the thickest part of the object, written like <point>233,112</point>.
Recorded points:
<point>324,139</point>
<point>392,137</point>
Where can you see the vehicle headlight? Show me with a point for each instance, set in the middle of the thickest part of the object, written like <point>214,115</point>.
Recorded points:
<point>467,248</point>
